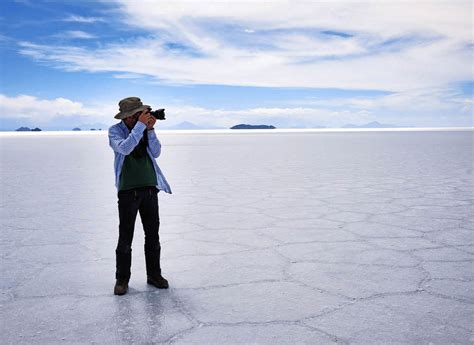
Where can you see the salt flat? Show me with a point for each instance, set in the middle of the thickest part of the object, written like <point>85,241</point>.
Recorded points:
<point>319,237</point>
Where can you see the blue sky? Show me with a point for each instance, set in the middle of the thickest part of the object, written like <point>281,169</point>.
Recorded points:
<point>216,64</point>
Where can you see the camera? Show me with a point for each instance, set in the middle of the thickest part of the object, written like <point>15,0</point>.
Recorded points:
<point>158,114</point>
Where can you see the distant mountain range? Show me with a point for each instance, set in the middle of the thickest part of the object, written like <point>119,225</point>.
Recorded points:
<point>186,125</point>
<point>190,125</point>
<point>373,124</point>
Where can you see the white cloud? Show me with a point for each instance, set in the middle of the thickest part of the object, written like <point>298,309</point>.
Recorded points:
<point>75,34</point>
<point>42,111</point>
<point>414,68</point>
<point>415,99</point>
<point>45,112</point>
<point>285,52</point>
<point>4,38</point>
<point>328,113</point>
<point>128,76</point>
<point>276,14</point>
<point>82,19</point>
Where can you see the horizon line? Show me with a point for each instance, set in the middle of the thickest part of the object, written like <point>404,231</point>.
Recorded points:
<point>246,131</point>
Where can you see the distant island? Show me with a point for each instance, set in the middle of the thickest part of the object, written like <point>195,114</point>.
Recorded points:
<point>23,129</point>
<point>244,126</point>
<point>76,129</point>
<point>27,129</point>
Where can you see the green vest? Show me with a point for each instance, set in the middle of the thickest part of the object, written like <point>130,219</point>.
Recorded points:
<point>137,172</point>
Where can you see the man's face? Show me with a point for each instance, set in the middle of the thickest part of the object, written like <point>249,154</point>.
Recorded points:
<point>132,120</point>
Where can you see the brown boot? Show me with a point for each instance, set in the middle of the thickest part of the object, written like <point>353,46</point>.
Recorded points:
<point>158,281</point>
<point>121,287</point>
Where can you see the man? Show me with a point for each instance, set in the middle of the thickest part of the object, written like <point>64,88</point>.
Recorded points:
<point>138,180</point>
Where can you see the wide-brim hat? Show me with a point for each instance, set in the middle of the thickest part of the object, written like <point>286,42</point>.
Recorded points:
<point>129,106</point>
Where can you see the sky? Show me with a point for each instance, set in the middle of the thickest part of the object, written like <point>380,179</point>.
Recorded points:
<point>291,64</point>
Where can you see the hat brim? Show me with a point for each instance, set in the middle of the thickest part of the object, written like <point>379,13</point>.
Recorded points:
<point>124,114</point>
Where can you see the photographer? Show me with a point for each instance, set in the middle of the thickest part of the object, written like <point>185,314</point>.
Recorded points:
<point>138,180</point>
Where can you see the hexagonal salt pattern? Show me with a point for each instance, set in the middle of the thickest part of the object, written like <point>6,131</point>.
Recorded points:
<point>268,238</point>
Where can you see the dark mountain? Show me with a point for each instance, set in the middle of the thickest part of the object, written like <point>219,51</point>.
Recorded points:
<point>244,126</point>
<point>23,129</point>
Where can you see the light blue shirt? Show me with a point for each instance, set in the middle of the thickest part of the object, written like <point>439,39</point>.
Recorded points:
<point>123,141</point>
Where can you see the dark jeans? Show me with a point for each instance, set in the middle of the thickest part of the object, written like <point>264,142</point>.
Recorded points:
<point>130,202</point>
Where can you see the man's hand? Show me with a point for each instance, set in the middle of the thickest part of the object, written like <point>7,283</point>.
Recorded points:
<point>151,122</point>
<point>145,116</point>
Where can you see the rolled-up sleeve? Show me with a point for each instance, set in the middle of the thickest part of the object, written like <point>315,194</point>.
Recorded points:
<point>125,145</point>
<point>154,144</point>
